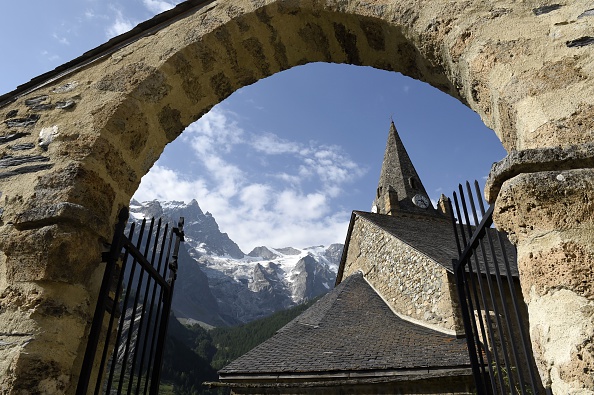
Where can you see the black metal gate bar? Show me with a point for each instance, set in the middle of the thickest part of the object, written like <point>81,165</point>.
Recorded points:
<point>463,290</point>
<point>489,286</point>
<point>114,313</point>
<point>93,341</point>
<point>474,280</point>
<point>143,307</point>
<point>144,267</point>
<point>151,360</point>
<point>144,364</point>
<point>173,265</point>
<point>129,354</point>
<point>120,332</point>
<point>491,310</point>
<point>514,303</point>
<point>524,341</point>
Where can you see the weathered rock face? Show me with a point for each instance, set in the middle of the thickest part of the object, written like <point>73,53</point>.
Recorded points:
<point>551,217</point>
<point>267,282</point>
<point>311,279</point>
<point>203,230</point>
<point>74,147</point>
<point>193,298</point>
<point>262,252</point>
<point>334,253</point>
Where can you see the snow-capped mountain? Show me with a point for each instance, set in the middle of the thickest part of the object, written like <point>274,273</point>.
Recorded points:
<point>218,284</point>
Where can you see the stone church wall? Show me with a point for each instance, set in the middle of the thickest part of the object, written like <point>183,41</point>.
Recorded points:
<point>411,283</point>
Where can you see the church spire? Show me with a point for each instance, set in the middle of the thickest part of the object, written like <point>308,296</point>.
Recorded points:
<point>399,187</point>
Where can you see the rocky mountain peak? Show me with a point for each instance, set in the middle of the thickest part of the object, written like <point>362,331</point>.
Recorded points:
<point>201,228</point>
<point>333,253</point>
<point>219,285</point>
<point>262,252</point>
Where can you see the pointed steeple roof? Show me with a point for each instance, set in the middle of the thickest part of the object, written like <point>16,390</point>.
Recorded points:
<point>399,187</point>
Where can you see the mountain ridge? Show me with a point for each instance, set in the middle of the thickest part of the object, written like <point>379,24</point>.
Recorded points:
<point>220,285</point>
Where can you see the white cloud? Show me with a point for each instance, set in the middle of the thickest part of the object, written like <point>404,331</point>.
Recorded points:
<point>217,135</point>
<point>323,231</point>
<point>332,166</point>
<point>159,6</point>
<point>258,215</point>
<point>120,25</point>
<point>165,184</point>
<point>91,13</point>
<point>271,144</point>
<point>61,40</point>
<point>293,204</point>
<point>214,132</point>
<point>229,178</point>
<point>256,197</point>
<point>213,138</point>
<point>288,178</point>
<point>52,58</point>
<point>289,206</point>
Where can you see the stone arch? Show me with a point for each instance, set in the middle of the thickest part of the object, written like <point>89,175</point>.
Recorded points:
<point>106,119</point>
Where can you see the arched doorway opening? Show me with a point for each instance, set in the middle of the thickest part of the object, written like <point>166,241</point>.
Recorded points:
<point>316,132</point>
<point>271,154</point>
<point>139,95</point>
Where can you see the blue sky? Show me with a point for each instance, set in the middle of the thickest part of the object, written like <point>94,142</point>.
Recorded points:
<point>283,161</point>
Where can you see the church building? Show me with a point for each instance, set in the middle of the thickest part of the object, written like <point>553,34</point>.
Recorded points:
<point>392,323</point>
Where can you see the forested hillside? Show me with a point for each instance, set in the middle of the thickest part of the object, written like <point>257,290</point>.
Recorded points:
<point>193,355</point>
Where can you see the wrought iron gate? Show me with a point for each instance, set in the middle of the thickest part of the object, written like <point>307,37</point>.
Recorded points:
<point>493,309</point>
<point>125,346</point>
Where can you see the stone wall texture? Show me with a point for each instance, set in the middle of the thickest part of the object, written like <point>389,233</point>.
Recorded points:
<point>74,146</point>
<point>412,284</point>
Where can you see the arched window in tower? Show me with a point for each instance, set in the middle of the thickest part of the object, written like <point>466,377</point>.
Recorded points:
<point>413,182</point>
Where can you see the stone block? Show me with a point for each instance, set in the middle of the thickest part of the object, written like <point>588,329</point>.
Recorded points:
<point>58,252</point>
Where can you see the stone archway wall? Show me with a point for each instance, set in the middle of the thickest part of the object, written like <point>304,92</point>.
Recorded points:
<point>75,148</point>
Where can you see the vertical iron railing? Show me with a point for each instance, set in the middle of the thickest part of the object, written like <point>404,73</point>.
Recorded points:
<point>125,346</point>
<point>493,309</point>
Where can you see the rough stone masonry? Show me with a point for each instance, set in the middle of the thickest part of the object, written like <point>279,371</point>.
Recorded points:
<point>74,144</point>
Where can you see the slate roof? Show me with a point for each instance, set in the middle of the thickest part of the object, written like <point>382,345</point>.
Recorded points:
<point>434,238</point>
<point>351,329</point>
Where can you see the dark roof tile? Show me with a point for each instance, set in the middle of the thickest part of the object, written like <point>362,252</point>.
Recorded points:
<point>350,329</point>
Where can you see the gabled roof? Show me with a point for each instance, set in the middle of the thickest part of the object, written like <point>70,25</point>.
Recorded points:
<point>349,331</point>
<point>432,237</point>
